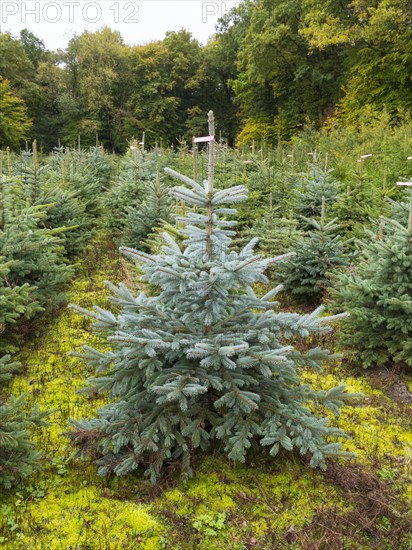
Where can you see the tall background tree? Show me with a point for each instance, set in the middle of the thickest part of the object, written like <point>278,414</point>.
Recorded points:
<point>377,40</point>
<point>95,88</point>
<point>14,122</point>
<point>282,83</point>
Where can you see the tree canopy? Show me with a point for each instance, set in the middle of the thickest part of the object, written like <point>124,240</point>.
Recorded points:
<point>269,70</point>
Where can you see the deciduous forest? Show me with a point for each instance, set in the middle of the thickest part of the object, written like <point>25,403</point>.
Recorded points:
<point>271,70</point>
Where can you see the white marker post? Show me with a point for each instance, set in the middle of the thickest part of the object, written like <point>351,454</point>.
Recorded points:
<point>141,143</point>
<point>210,139</point>
<point>133,147</point>
<point>360,160</point>
<point>211,173</point>
<point>407,184</point>
<point>194,151</point>
<point>204,139</point>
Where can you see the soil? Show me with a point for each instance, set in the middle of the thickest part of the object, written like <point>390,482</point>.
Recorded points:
<point>391,383</point>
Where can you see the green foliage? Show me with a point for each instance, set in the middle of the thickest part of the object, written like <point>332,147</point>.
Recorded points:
<point>298,62</point>
<point>269,71</point>
<point>276,235</point>
<point>15,301</point>
<point>354,209</point>
<point>281,83</point>
<point>208,525</point>
<point>378,296</point>
<point>15,65</point>
<point>66,210</point>
<point>14,122</point>
<point>96,64</point>
<point>142,219</point>
<point>398,211</point>
<point>127,190</point>
<point>306,275</point>
<point>377,40</point>
<point>33,46</point>
<point>47,215</point>
<point>35,256</point>
<point>155,240</point>
<point>33,267</point>
<point>86,173</point>
<point>31,72</point>
<point>169,87</point>
<point>319,185</point>
<point>272,181</point>
<point>18,455</point>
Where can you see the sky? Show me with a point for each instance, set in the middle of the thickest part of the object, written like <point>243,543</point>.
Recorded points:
<point>139,21</point>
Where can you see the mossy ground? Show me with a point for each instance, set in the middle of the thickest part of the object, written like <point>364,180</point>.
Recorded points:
<point>268,503</point>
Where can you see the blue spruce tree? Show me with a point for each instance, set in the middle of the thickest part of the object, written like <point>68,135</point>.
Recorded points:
<point>205,359</point>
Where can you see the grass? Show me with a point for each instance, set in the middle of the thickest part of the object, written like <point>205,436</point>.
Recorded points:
<point>267,503</point>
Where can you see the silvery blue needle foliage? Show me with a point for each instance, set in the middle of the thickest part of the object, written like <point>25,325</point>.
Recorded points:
<point>205,359</point>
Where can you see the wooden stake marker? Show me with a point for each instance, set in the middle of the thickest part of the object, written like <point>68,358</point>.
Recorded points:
<point>204,139</point>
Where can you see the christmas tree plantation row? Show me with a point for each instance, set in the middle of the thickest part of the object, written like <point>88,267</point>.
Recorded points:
<point>206,357</point>
<point>64,196</point>
<point>261,510</point>
<point>50,208</point>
